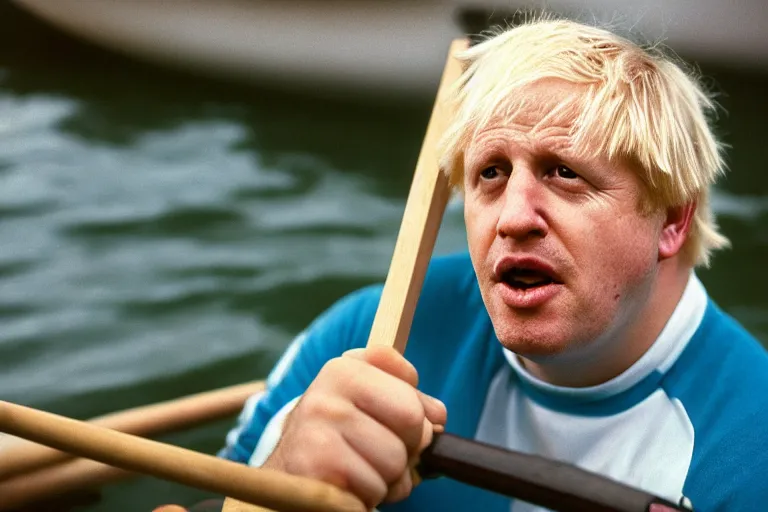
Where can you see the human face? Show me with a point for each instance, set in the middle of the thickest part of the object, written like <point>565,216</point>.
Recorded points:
<point>564,258</point>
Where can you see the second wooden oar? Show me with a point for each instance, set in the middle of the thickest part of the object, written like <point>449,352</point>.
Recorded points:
<point>145,421</point>
<point>269,488</point>
<point>57,482</point>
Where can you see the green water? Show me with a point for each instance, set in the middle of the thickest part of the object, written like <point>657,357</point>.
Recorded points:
<point>162,234</point>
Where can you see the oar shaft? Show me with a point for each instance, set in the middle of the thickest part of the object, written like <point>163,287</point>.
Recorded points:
<point>267,488</point>
<point>423,213</point>
<point>424,210</point>
<point>146,421</point>
<point>46,485</point>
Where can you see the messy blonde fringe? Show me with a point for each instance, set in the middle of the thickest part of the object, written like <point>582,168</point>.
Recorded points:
<point>639,105</point>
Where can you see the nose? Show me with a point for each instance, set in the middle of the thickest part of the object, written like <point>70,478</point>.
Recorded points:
<point>522,215</point>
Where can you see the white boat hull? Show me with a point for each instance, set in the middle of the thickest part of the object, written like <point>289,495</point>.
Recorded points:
<point>395,46</point>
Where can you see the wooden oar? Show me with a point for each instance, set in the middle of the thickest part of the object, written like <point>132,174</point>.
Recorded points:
<point>271,488</point>
<point>57,482</point>
<point>421,221</point>
<point>146,421</point>
<point>30,472</point>
<point>416,240</point>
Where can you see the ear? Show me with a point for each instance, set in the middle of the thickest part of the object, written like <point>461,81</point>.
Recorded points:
<point>675,230</point>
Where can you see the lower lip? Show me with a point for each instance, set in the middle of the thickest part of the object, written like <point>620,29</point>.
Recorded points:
<point>530,298</point>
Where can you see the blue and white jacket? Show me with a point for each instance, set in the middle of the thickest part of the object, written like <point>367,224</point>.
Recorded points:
<point>690,418</point>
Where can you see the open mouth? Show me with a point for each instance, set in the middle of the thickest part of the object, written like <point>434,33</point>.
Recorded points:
<point>526,282</point>
<point>525,278</point>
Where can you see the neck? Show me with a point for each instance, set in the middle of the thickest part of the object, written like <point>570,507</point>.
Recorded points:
<point>622,345</point>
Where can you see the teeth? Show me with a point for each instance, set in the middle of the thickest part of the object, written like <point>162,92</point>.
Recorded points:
<point>529,280</point>
<point>525,278</point>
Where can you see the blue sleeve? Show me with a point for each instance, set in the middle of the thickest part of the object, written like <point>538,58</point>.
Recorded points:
<point>344,326</point>
<point>721,380</point>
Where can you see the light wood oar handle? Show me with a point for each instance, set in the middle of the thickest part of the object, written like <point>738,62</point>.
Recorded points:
<point>424,210</point>
<point>264,487</point>
<point>418,232</point>
<point>146,421</point>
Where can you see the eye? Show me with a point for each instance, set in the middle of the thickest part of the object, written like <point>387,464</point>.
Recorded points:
<point>489,173</point>
<point>566,173</point>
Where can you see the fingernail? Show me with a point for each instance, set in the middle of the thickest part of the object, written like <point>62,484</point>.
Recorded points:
<point>438,402</point>
<point>354,352</point>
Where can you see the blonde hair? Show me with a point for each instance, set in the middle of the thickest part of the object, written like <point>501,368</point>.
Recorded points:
<point>638,105</point>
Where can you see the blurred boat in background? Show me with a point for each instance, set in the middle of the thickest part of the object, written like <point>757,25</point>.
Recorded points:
<point>394,46</point>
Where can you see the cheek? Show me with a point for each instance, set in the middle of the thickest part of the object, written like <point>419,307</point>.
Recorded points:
<point>481,228</point>
<point>622,255</point>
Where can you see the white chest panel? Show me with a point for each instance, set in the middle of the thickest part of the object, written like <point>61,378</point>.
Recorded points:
<point>648,446</point>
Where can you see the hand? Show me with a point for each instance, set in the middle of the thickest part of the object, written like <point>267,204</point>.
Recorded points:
<point>361,425</point>
<point>209,505</point>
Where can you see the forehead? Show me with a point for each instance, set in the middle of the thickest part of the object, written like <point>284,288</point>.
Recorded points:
<point>545,110</point>
<point>547,101</point>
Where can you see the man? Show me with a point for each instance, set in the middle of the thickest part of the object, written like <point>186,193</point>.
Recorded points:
<point>575,328</point>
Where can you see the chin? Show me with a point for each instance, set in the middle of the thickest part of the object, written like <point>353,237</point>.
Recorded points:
<point>536,332</point>
<point>534,343</point>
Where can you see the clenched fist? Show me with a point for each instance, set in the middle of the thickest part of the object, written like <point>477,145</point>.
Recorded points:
<point>361,425</point>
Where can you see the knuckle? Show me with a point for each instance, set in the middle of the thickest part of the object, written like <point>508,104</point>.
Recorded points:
<point>341,373</point>
<point>400,490</point>
<point>336,368</point>
<point>394,464</point>
<point>337,474</point>
<point>324,407</point>
<point>377,497</point>
<point>370,489</point>
<point>311,405</point>
<point>379,354</point>
<point>410,415</point>
<point>376,494</point>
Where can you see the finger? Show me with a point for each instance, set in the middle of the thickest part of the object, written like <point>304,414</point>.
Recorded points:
<point>343,446</point>
<point>351,472</point>
<point>170,508</point>
<point>401,489</point>
<point>434,409</point>
<point>209,505</point>
<point>411,478</point>
<point>389,400</point>
<point>427,435</point>
<point>389,361</point>
<point>384,359</point>
<point>378,445</point>
<point>355,353</point>
<point>325,455</point>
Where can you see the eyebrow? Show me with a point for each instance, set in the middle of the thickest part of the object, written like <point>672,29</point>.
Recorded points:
<point>495,146</point>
